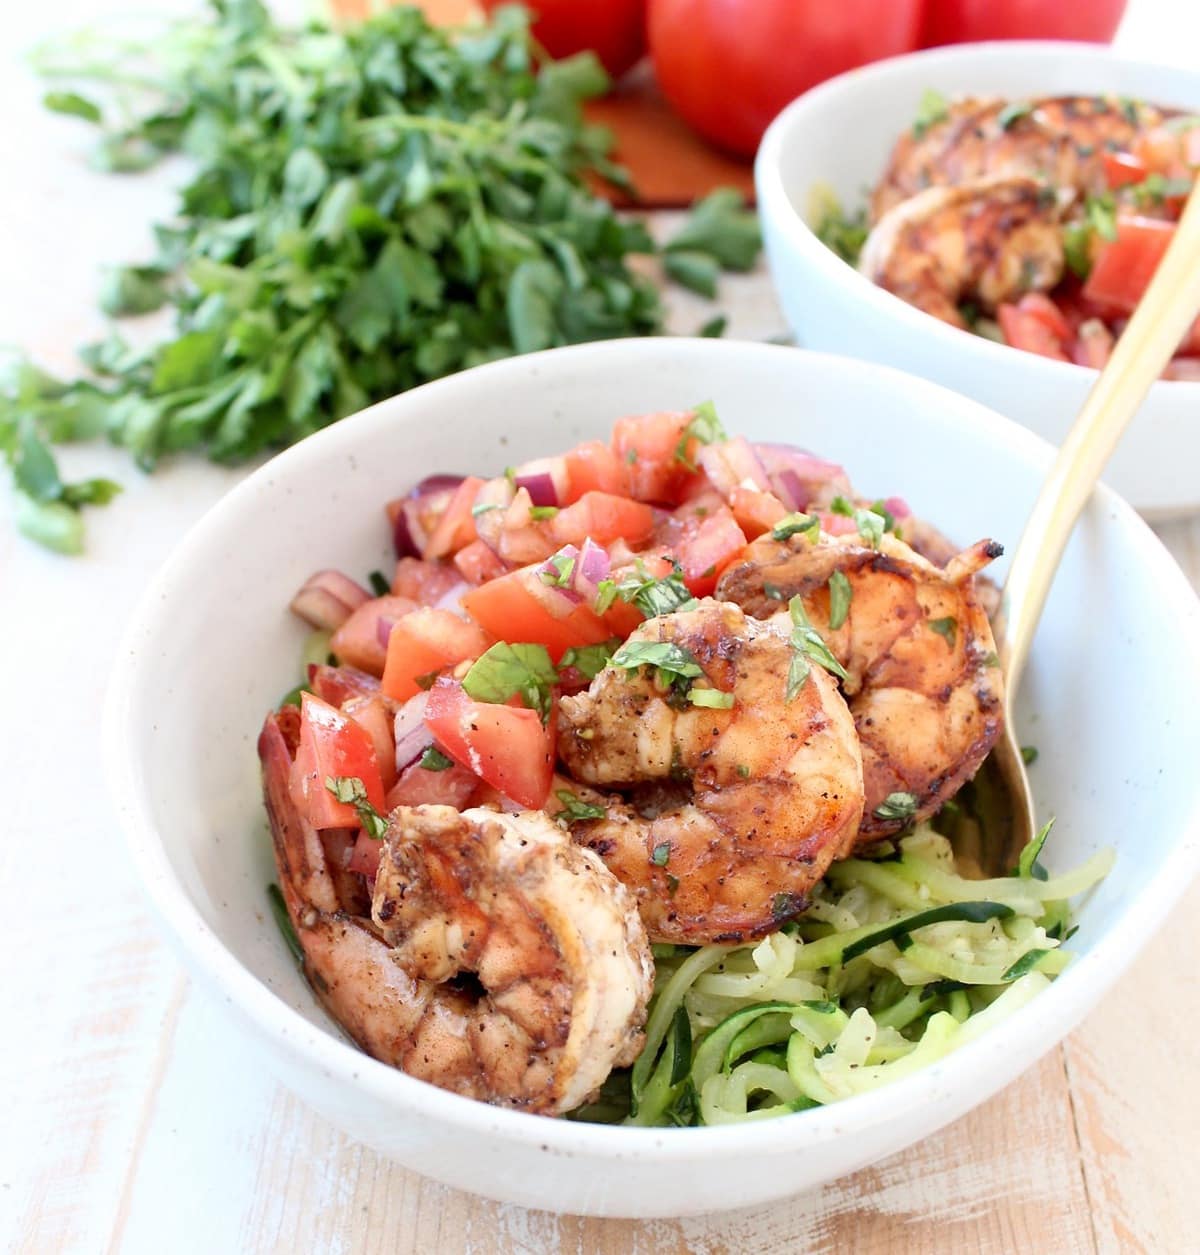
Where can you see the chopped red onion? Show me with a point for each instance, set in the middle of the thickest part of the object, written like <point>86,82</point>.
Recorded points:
<point>560,600</point>
<point>414,516</point>
<point>733,463</point>
<point>413,738</point>
<point>591,566</point>
<point>545,479</point>
<point>797,476</point>
<point>327,599</point>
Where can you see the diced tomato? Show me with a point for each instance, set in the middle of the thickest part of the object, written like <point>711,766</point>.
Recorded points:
<point>1093,344</point>
<point>605,518</point>
<point>508,747</point>
<point>1041,307</point>
<point>418,786</point>
<point>423,582</point>
<point>336,685</point>
<point>1123,169</point>
<point>425,641</point>
<point>456,527</point>
<point>592,467</point>
<point>1125,266</point>
<point>1023,330</point>
<point>714,544</point>
<point>373,714</point>
<point>520,607</point>
<point>836,524</point>
<point>1186,369</point>
<point>648,448</point>
<point>331,744</point>
<point>519,538</point>
<point>728,463</point>
<point>476,563</point>
<point>1163,150</point>
<point>359,642</point>
<point>755,512</point>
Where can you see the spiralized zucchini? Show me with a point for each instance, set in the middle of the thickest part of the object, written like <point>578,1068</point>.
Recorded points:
<point>895,963</point>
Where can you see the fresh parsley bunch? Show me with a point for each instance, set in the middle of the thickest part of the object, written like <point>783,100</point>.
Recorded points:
<point>369,210</point>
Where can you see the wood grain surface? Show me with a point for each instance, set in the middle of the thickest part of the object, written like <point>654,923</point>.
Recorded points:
<point>132,1119</point>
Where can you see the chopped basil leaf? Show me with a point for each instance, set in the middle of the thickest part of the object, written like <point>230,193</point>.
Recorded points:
<point>1100,213</point>
<point>434,760</point>
<point>284,922</point>
<point>539,512</point>
<point>839,505</point>
<point>871,526</point>
<point>574,810</point>
<point>379,583</point>
<point>665,656</point>
<point>797,524</point>
<point>946,628</point>
<point>743,771</point>
<point>713,699</point>
<point>705,427</point>
<point>840,593</point>
<point>652,596</point>
<point>1077,248</point>
<point>932,108</point>
<point>807,644</point>
<point>1029,755</point>
<point>352,791</point>
<point>991,659</point>
<point>889,519</point>
<point>427,680</point>
<point>1011,114</point>
<point>902,806</point>
<point>513,670</point>
<point>773,591</point>
<point>589,660</point>
<point>672,885</point>
<point>661,854</point>
<point>564,568</point>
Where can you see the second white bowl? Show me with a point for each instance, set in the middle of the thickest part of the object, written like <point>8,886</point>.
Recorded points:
<point>841,133</point>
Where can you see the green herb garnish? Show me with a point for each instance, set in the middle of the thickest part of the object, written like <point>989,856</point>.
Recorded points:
<point>1011,114</point>
<point>704,426</point>
<point>434,760</point>
<point>352,791</point>
<point>284,922</point>
<point>797,525</point>
<point>946,628</point>
<point>1029,755</point>
<point>574,810</point>
<point>807,647</point>
<point>651,595</point>
<point>563,568</point>
<point>932,108</point>
<point>508,670</point>
<point>661,854</point>
<point>589,660</point>
<point>713,699</point>
<point>840,594</point>
<point>902,806</point>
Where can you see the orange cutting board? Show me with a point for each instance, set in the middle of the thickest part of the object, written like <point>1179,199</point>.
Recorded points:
<point>671,166</point>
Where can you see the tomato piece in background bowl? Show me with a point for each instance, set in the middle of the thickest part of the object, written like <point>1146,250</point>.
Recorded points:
<point>507,746</point>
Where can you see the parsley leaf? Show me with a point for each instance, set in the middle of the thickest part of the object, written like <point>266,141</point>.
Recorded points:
<point>506,671</point>
<point>807,644</point>
<point>722,227</point>
<point>574,810</point>
<point>352,791</point>
<point>901,806</point>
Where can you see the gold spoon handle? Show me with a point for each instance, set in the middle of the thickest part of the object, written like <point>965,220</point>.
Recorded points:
<point>1144,348</point>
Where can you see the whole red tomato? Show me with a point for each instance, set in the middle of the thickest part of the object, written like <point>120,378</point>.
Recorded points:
<point>615,30</point>
<point>729,66</point>
<point>965,21</point>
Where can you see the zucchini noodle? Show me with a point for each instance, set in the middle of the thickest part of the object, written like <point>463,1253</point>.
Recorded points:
<point>895,963</point>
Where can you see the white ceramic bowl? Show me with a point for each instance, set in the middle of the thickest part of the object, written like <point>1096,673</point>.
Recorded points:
<point>1112,699</point>
<point>841,134</point>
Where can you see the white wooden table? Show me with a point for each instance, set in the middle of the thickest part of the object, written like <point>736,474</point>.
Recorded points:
<point>133,1120</point>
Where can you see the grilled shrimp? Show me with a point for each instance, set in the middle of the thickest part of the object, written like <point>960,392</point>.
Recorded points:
<point>988,241</point>
<point>922,680</point>
<point>499,960</point>
<point>734,813</point>
<point>1060,141</point>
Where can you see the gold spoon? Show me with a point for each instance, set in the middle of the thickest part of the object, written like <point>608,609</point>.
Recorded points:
<point>1170,305</point>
